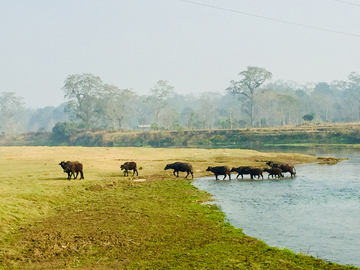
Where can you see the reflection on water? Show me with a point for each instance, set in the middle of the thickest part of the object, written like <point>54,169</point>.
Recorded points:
<point>315,213</point>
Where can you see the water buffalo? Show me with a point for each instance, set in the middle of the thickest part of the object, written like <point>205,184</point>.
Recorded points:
<point>220,170</point>
<point>274,172</point>
<point>256,172</point>
<point>180,167</point>
<point>128,166</point>
<point>72,167</point>
<point>63,165</point>
<point>284,167</point>
<point>241,171</point>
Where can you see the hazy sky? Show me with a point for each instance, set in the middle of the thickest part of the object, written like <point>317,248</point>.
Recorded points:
<point>197,48</point>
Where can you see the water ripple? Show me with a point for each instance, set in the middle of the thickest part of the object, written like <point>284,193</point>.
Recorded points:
<point>316,213</point>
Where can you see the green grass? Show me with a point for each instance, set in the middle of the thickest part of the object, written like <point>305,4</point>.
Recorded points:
<point>108,221</point>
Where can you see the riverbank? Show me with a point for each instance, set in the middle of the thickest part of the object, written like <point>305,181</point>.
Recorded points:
<point>110,221</point>
<point>338,134</point>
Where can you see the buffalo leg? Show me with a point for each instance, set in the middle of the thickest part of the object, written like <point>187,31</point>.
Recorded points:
<point>187,173</point>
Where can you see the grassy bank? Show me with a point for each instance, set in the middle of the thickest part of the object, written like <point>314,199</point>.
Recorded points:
<point>307,133</point>
<point>109,221</point>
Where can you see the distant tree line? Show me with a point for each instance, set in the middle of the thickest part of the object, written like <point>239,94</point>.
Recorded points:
<point>251,101</point>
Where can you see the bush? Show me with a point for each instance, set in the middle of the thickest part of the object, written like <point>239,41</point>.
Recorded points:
<point>62,132</point>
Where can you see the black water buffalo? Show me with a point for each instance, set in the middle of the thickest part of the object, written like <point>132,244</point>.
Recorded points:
<point>256,172</point>
<point>241,171</point>
<point>274,172</point>
<point>220,170</point>
<point>72,167</point>
<point>128,166</point>
<point>180,167</point>
<point>284,167</point>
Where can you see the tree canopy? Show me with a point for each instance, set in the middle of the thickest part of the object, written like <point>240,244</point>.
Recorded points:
<point>252,79</point>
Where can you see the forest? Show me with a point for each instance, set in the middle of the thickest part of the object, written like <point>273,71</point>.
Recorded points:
<point>251,100</point>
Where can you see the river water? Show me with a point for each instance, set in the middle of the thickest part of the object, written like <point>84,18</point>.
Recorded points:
<point>315,213</point>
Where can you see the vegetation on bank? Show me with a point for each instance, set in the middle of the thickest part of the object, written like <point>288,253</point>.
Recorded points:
<point>68,134</point>
<point>109,221</point>
<point>252,101</point>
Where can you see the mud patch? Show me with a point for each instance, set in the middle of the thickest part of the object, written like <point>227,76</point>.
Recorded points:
<point>329,160</point>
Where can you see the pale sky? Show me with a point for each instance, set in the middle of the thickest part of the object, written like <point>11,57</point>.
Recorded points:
<point>196,48</point>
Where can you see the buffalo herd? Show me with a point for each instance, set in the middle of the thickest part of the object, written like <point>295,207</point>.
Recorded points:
<point>73,168</point>
<point>273,170</point>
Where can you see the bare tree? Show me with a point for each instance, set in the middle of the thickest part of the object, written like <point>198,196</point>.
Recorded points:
<point>159,96</point>
<point>252,80</point>
<point>11,107</point>
<point>117,104</point>
<point>207,109</point>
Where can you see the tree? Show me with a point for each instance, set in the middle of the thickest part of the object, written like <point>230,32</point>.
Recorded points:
<point>309,117</point>
<point>354,79</point>
<point>289,107</point>
<point>252,79</point>
<point>267,109</point>
<point>353,86</point>
<point>142,111</point>
<point>159,96</point>
<point>11,107</point>
<point>84,93</point>
<point>62,131</point>
<point>117,104</point>
<point>207,109</point>
<point>169,118</point>
<point>193,121</point>
<point>45,118</point>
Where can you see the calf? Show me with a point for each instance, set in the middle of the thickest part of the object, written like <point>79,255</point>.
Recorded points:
<point>180,167</point>
<point>284,167</point>
<point>241,171</point>
<point>274,172</point>
<point>220,170</point>
<point>72,167</point>
<point>128,166</point>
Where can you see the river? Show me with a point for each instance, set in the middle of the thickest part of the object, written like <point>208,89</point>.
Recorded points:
<point>315,213</point>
